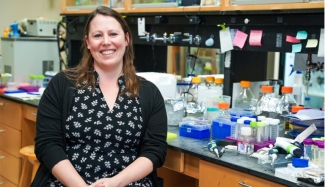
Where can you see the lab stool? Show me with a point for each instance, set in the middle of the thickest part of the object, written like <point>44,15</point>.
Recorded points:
<point>30,165</point>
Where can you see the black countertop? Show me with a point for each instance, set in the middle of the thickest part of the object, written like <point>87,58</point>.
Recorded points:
<point>198,148</point>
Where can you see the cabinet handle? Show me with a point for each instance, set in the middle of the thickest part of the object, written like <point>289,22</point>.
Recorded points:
<point>2,130</point>
<point>1,104</point>
<point>34,113</point>
<point>243,184</point>
<point>2,157</point>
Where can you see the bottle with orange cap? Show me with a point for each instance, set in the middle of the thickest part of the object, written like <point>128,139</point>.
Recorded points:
<point>287,100</point>
<point>245,96</point>
<point>194,89</point>
<point>266,104</point>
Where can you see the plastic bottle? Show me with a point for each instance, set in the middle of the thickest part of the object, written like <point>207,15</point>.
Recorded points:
<point>245,141</point>
<point>307,148</point>
<point>245,96</point>
<point>193,91</point>
<point>274,129</point>
<point>320,161</point>
<point>223,110</point>
<point>298,89</point>
<point>203,87</point>
<point>287,100</point>
<point>218,82</point>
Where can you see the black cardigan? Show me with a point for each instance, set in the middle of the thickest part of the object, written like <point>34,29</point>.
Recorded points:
<point>52,112</point>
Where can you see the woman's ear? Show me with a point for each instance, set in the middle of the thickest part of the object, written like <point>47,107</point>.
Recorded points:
<point>87,41</point>
<point>127,37</point>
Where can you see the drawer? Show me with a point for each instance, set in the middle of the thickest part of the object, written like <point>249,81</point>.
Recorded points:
<point>10,113</point>
<point>29,112</point>
<point>174,160</point>
<point>10,140</point>
<point>216,175</point>
<point>5,183</point>
<point>10,167</point>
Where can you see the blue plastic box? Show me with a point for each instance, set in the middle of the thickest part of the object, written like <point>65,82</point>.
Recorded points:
<point>222,128</point>
<point>194,131</point>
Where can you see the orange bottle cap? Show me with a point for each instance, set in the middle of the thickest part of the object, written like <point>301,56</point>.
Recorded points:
<point>196,80</point>
<point>295,109</point>
<point>267,89</point>
<point>245,83</point>
<point>286,89</point>
<point>209,79</point>
<point>218,80</point>
<point>223,105</point>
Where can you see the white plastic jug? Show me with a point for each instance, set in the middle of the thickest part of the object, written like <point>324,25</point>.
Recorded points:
<point>165,82</point>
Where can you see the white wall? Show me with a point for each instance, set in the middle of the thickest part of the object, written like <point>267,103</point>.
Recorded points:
<point>16,10</point>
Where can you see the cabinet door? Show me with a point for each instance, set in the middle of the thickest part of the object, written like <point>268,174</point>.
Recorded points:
<point>10,167</point>
<point>216,175</point>
<point>5,183</point>
<point>10,114</point>
<point>10,140</point>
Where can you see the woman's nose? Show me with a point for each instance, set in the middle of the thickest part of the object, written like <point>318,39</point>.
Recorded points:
<point>106,40</point>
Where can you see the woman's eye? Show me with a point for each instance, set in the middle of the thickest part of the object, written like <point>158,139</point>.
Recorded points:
<point>113,34</point>
<point>97,35</point>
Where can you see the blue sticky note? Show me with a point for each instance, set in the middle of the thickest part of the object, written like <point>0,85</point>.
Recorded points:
<point>301,35</point>
<point>296,48</point>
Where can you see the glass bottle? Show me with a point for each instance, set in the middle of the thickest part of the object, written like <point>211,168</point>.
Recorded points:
<point>264,105</point>
<point>287,100</point>
<point>276,86</point>
<point>193,91</point>
<point>245,96</point>
<point>298,89</point>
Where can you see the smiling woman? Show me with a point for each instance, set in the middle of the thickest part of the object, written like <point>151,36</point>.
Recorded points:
<point>99,124</point>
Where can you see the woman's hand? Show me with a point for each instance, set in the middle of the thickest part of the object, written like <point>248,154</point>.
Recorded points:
<point>104,182</point>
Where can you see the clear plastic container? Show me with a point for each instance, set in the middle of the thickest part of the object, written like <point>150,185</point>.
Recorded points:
<point>274,129</point>
<point>245,143</point>
<point>307,148</point>
<point>320,161</point>
<point>223,110</point>
<point>245,96</point>
<point>298,89</point>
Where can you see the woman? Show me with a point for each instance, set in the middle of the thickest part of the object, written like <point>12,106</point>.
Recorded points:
<point>99,124</point>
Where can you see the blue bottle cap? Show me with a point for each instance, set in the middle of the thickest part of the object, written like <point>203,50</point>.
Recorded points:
<point>247,122</point>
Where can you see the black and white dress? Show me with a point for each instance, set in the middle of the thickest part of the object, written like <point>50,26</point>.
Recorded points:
<point>101,141</point>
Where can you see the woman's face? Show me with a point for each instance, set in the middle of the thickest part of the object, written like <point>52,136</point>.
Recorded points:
<point>106,42</point>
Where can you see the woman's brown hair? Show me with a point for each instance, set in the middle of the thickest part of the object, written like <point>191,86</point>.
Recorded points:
<point>84,71</point>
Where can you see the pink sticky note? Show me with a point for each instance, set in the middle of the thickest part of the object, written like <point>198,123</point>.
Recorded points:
<point>292,39</point>
<point>240,38</point>
<point>255,37</point>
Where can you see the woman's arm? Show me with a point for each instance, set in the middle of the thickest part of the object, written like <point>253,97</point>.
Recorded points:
<point>67,174</point>
<point>137,170</point>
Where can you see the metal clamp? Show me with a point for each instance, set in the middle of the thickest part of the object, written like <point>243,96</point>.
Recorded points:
<point>172,37</point>
<point>146,37</point>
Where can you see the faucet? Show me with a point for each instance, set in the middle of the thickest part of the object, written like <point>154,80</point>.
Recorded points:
<point>190,40</point>
<point>154,37</point>
<point>172,37</point>
<point>146,37</point>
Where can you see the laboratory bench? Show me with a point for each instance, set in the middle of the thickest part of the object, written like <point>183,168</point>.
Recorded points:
<point>188,162</point>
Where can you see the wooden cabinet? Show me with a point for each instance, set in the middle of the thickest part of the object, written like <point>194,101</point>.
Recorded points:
<point>216,175</point>
<point>10,142</point>
<point>68,7</point>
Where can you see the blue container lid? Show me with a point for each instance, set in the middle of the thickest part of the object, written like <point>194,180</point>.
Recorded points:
<point>234,119</point>
<point>298,162</point>
<point>247,122</point>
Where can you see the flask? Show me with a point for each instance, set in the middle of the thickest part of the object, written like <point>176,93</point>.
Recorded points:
<point>245,96</point>
<point>287,100</point>
<point>298,89</point>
